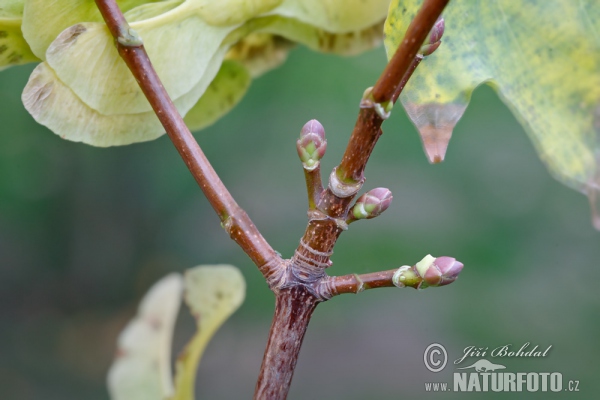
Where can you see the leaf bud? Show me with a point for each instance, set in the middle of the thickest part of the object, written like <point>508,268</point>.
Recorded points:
<point>438,271</point>
<point>434,39</point>
<point>372,203</point>
<point>312,144</point>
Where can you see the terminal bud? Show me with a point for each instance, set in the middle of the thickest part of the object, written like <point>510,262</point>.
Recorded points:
<point>312,144</point>
<point>438,271</point>
<point>430,271</point>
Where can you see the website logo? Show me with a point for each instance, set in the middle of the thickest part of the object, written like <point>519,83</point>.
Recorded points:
<point>484,375</point>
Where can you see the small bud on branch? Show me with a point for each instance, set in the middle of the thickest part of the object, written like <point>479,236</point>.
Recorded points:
<point>430,271</point>
<point>311,148</point>
<point>371,204</point>
<point>434,39</point>
<point>312,144</point>
<point>384,109</point>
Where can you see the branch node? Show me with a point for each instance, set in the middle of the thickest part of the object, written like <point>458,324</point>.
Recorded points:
<point>276,273</point>
<point>227,224</point>
<point>316,215</point>
<point>361,284</point>
<point>343,189</point>
<point>341,223</point>
<point>399,278</point>
<point>129,37</point>
<point>384,110</point>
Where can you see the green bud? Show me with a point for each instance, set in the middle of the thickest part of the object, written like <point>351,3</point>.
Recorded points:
<point>372,203</point>
<point>406,276</point>
<point>311,145</point>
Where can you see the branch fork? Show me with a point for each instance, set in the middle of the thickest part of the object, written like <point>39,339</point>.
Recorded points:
<point>301,282</point>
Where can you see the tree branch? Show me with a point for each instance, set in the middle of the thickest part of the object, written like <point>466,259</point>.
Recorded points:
<point>311,148</point>
<point>400,62</point>
<point>235,221</point>
<point>428,272</point>
<point>348,177</point>
<point>368,126</point>
<point>307,267</point>
<point>299,283</point>
<point>293,309</point>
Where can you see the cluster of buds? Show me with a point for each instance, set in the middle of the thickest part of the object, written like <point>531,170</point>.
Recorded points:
<point>430,271</point>
<point>434,39</point>
<point>370,204</point>
<point>312,144</point>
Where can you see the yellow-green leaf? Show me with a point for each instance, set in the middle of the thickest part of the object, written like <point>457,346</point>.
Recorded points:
<point>14,50</point>
<point>224,92</point>
<point>543,59</point>
<point>318,39</point>
<point>213,293</point>
<point>233,12</point>
<point>187,41</point>
<point>53,104</point>
<point>335,16</point>
<point>260,52</point>
<point>84,57</point>
<point>142,366</point>
<point>11,8</point>
<point>44,20</point>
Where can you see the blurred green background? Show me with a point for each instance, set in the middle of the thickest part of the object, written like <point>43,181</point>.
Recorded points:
<point>84,232</point>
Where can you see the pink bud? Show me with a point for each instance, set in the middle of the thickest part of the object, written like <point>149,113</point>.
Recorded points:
<point>372,203</point>
<point>433,40</point>
<point>449,269</point>
<point>311,145</point>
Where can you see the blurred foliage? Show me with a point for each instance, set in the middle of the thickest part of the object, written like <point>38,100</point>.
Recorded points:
<point>84,232</point>
<point>543,59</point>
<point>83,92</point>
<point>142,366</point>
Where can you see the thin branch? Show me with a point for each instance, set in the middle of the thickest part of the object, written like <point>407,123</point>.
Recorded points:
<point>313,255</point>
<point>311,147</point>
<point>314,187</point>
<point>354,283</point>
<point>297,290</point>
<point>234,219</point>
<point>428,272</point>
<point>413,66</point>
<point>347,178</point>
<point>407,50</point>
<point>368,126</point>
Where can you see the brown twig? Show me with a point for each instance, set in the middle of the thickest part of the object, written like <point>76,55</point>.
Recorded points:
<point>235,221</point>
<point>413,66</point>
<point>311,148</point>
<point>312,257</point>
<point>293,310</point>
<point>354,283</point>
<point>367,129</point>
<point>314,186</point>
<point>430,271</point>
<point>407,50</point>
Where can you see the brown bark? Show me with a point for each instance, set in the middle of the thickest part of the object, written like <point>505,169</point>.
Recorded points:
<point>293,309</point>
